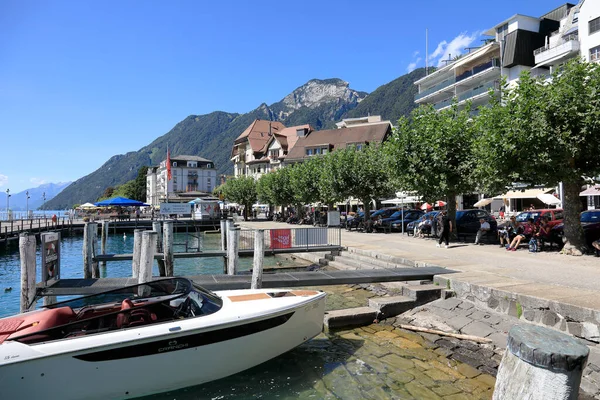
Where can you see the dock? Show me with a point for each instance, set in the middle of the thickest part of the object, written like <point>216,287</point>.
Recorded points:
<point>69,287</point>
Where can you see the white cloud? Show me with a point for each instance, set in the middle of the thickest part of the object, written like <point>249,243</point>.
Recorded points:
<point>37,181</point>
<point>3,180</point>
<point>411,67</point>
<point>453,48</point>
<point>416,53</point>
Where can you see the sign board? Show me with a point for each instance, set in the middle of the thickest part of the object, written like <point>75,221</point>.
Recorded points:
<point>50,256</point>
<point>206,210</point>
<point>310,237</point>
<point>175,208</point>
<point>281,238</point>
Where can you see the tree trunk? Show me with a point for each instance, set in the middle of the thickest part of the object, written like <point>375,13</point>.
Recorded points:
<point>573,233</point>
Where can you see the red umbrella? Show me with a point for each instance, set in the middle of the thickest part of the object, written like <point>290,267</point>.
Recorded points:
<point>426,206</point>
<point>440,203</point>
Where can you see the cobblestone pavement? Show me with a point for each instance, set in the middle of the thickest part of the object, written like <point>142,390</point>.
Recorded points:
<point>461,316</point>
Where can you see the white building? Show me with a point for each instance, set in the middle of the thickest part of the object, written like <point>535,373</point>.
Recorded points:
<point>589,30</point>
<point>191,177</point>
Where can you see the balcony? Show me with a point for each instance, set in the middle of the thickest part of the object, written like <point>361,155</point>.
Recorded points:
<point>435,88</point>
<point>566,47</point>
<point>494,63</point>
<point>468,95</point>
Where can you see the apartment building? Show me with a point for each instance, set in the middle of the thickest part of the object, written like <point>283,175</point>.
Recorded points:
<point>589,30</point>
<point>191,177</point>
<point>263,147</point>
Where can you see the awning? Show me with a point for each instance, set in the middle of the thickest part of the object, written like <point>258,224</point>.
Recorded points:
<point>549,199</point>
<point>593,191</point>
<point>468,58</point>
<point>402,200</point>
<point>523,194</point>
<point>483,202</point>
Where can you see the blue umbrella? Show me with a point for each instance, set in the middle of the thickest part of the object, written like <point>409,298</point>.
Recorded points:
<point>120,201</point>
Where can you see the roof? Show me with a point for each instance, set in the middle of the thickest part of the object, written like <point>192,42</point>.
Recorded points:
<point>492,30</point>
<point>340,138</point>
<point>189,158</point>
<point>258,133</point>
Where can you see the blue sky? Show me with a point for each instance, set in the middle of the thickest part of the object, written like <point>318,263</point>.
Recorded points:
<point>81,81</point>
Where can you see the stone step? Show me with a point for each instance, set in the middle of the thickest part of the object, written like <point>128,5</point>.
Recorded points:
<point>370,260</point>
<point>342,266</point>
<point>424,293</point>
<point>405,262</point>
<point>316,257</point>
<point>391,306</point>
<point>349,317</point>
<point>355,263</point>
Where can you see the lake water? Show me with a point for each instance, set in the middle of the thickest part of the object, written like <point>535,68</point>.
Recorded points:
<point>72,263</point>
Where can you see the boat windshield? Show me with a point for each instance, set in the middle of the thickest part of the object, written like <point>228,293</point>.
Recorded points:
<point>134,306</point>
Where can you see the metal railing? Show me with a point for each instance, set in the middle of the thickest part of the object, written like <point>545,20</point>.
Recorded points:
<point>477,91</point>
<point>293,238</point>
<point>566,39</point>
<point>478,69</point>
<point>433,89</point>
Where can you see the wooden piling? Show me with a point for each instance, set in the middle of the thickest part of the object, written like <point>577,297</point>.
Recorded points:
<point>105,227</point>
<point>95,267</point>
<point>27,246</point>
<point>259,257</point>
<point>88,249</point>
<point>233,237</point>
<point>168,247</point>
<point>149,239</point>
<point>223,234</point>
<point>137,253</point>
<point>156,227</point>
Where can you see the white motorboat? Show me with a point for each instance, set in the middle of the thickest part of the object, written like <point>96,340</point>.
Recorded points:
<point>150,338</point>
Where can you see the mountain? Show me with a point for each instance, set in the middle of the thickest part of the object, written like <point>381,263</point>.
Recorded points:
<point>318,102</point>
<point>18,201</point>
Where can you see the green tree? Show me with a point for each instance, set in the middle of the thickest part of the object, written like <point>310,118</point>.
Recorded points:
<point>545,133</point>
<point>431,154</point>
<point>108,192</point>
<point>304,179</point>
<point>241,190</point>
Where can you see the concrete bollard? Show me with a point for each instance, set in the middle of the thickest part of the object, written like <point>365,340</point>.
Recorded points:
<point>147,257</point>
<point>259,257</point>
<point>137,252</point>
<point>168,247</point>
<point>233,239</point>
<point>540,364</point>
<point>27,246</point>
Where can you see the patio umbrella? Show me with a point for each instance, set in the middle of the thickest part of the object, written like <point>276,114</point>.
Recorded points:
<point>483,202</point>
<point>440,203</point>
<point>87,205</point>
<point>120,201</point>
<point>426,206</point>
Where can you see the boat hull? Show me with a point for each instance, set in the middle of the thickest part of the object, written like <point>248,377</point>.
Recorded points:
<point>183,358</point>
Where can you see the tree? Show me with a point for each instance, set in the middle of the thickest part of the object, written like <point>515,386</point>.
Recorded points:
<point>241,190</point>
<point>275,188</point>
<point>304,179</point>
<point>545,133</point>
<point>108,192</point>
<point>431,154</point>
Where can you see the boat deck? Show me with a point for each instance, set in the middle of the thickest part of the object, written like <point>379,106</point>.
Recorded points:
<point>68,287</point>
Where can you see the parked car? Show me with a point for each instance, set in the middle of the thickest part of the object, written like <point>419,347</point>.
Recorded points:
<point>590,222</point>
<point>384,213</point>
<point>397,220</point>
<point>410,228</point>
<point>467,222</point>
<point>553,215</point>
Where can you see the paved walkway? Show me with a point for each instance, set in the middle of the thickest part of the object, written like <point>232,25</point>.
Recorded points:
<point>548,275</point>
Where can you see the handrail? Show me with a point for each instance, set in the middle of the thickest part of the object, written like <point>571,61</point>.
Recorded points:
<point>566,39</point>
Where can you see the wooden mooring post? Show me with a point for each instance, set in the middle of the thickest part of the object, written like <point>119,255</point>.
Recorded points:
<point>259,257</point>
<point>233,239</point>
<point>223,223</point>
<point>168,247</point>
<point>27,246</point>
<point>90,237</point>
<point>104,234</point>
<point>149,239</point>
<point>540,364</point>
<point>156,227</point>
<point>137,252</point>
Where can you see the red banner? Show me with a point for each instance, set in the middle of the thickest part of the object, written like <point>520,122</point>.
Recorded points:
<point>281,238</point>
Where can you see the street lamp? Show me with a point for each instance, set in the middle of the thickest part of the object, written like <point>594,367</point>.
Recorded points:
<point>27,204</point>
<point>7,202</point>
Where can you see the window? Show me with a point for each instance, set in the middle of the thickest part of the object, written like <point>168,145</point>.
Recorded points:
<point>174,163</point>
<point>309,152</point>
<point>594,25</point>
<point>595,54</point>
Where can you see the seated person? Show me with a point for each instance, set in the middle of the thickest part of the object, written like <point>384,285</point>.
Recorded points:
<point>543,233</point>
<point>418,227</point>
<point>528,231</point>
<point>596,245</point>
<point>508,232</point>
<point>483,230</point>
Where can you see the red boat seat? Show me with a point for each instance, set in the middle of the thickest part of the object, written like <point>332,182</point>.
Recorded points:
<point>140,316</point>
<point>35,322</point>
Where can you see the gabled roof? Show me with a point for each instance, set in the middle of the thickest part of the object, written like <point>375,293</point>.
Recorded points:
<point>259,133</point>
<point>189,158</point>
<point>340,138</point>
<point>288,136</point>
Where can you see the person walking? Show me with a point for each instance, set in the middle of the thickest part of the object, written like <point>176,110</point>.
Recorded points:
<point>446,228</point>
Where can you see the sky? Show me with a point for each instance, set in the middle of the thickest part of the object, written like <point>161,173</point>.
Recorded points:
<point>81,81</point>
